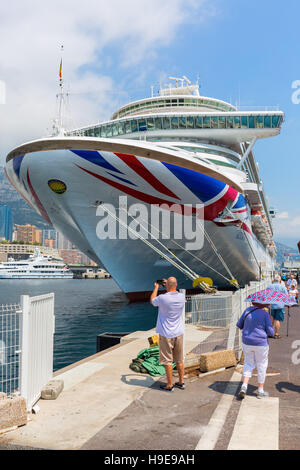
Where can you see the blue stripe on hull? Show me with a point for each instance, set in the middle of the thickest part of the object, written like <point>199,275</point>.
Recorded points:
<point>204,187</point>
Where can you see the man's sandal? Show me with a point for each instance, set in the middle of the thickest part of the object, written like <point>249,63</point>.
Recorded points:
<point>167,389</point>
<point>179,385</point>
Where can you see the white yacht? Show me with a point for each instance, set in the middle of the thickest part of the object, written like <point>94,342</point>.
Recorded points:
<point>36,267</point>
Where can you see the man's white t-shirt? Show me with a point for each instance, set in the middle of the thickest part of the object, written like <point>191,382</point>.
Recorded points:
<point>170,322</point>
<point>292,283</point>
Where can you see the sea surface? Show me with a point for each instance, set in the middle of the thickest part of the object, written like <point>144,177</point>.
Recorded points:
<point>84,308</point>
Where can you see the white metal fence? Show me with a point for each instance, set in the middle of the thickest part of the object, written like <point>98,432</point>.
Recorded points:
<point>9,348</point>
<point>26,346</point>
<point>37,332</point>
<point>216,317</point>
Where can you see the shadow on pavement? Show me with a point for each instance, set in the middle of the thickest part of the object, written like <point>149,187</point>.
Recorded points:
<point>287,386</point>
<point>138,380</point>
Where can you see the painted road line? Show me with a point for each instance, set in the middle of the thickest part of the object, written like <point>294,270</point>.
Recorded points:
<point>216,423</point>
<point>257,425</point>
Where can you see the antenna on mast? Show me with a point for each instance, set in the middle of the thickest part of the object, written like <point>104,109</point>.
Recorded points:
<point>58,127</point>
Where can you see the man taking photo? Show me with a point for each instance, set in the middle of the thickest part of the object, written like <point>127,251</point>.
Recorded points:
<point>170,327</point>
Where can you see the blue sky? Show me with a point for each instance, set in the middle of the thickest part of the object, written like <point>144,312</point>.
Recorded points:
<point>116,50</point>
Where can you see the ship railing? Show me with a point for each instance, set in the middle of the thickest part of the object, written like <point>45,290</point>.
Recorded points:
<point>216,315</point>
<point>257,108</point>
<point>26,347</point>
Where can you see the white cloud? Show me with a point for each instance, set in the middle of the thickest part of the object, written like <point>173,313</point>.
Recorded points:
<point>295,222</point>
<point>283,215</point>
<point>287,225</point>
<point>32,31</point>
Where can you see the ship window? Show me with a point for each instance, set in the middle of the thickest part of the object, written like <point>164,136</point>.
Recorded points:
<point>236,121</point>
<point>229,123</point>
<point>134,127</point>
<point>219,162</point>
<point>97,131</point>
<point>275,121</point>
<point>166,123</point>
<point>121,128</point>
<point>174,102</point>
<point>259,122</point>
<point>214,123</point>
<point>181,102</point>
<point>114,129</point>
<point>174,122</point>
<point>150,124</point>
<point>102,131</point>
<point>127,127</point>
<point>190,122</point>
<point>244,122</point>
<point>222,123</point>
<point>199,122</point>
<point>251,122</point>
<point>182,122</point>
<point>267,121</point>
<point>158,123</point>
<point>142,125</point>
<point>108,131</point>
<point>206,123</point>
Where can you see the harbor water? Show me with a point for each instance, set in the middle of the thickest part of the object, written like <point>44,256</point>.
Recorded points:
<point>83,309</point>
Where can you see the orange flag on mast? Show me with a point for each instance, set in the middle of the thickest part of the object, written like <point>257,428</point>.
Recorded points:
<point>60,69</point>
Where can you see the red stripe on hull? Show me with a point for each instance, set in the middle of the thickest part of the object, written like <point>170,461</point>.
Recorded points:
<point>148,199</point>
<point>38,202</point>
<point>141,170</point>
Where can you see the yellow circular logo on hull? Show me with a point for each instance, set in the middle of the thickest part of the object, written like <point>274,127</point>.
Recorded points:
<point>57,186</point>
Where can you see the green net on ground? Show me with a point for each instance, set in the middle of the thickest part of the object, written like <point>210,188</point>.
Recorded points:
<point>147,361</point>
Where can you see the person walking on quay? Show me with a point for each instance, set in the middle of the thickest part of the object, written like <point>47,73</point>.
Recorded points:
<point>277,310</point>
<point>170,327</point>
<point>291,282</point>
<point>293,291</point>
<point>256,326</point>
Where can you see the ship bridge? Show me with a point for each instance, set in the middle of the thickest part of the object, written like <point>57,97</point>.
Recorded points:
<point>228,129</point>
<point>179,113</point>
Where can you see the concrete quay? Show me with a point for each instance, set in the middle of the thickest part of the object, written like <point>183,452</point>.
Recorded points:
<point>106,406</point>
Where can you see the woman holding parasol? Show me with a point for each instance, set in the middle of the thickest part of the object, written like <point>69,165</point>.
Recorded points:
<point>256,325</point>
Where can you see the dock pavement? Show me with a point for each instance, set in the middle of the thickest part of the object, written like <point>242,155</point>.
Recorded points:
<point>106,406</point>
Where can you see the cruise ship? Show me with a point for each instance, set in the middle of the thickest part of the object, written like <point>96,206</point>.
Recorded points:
<point>36,267</point>
<point>174,154</point>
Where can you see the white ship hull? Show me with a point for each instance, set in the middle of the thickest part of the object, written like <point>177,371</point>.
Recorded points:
<point>35,276</point>
<point>92,178</point>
